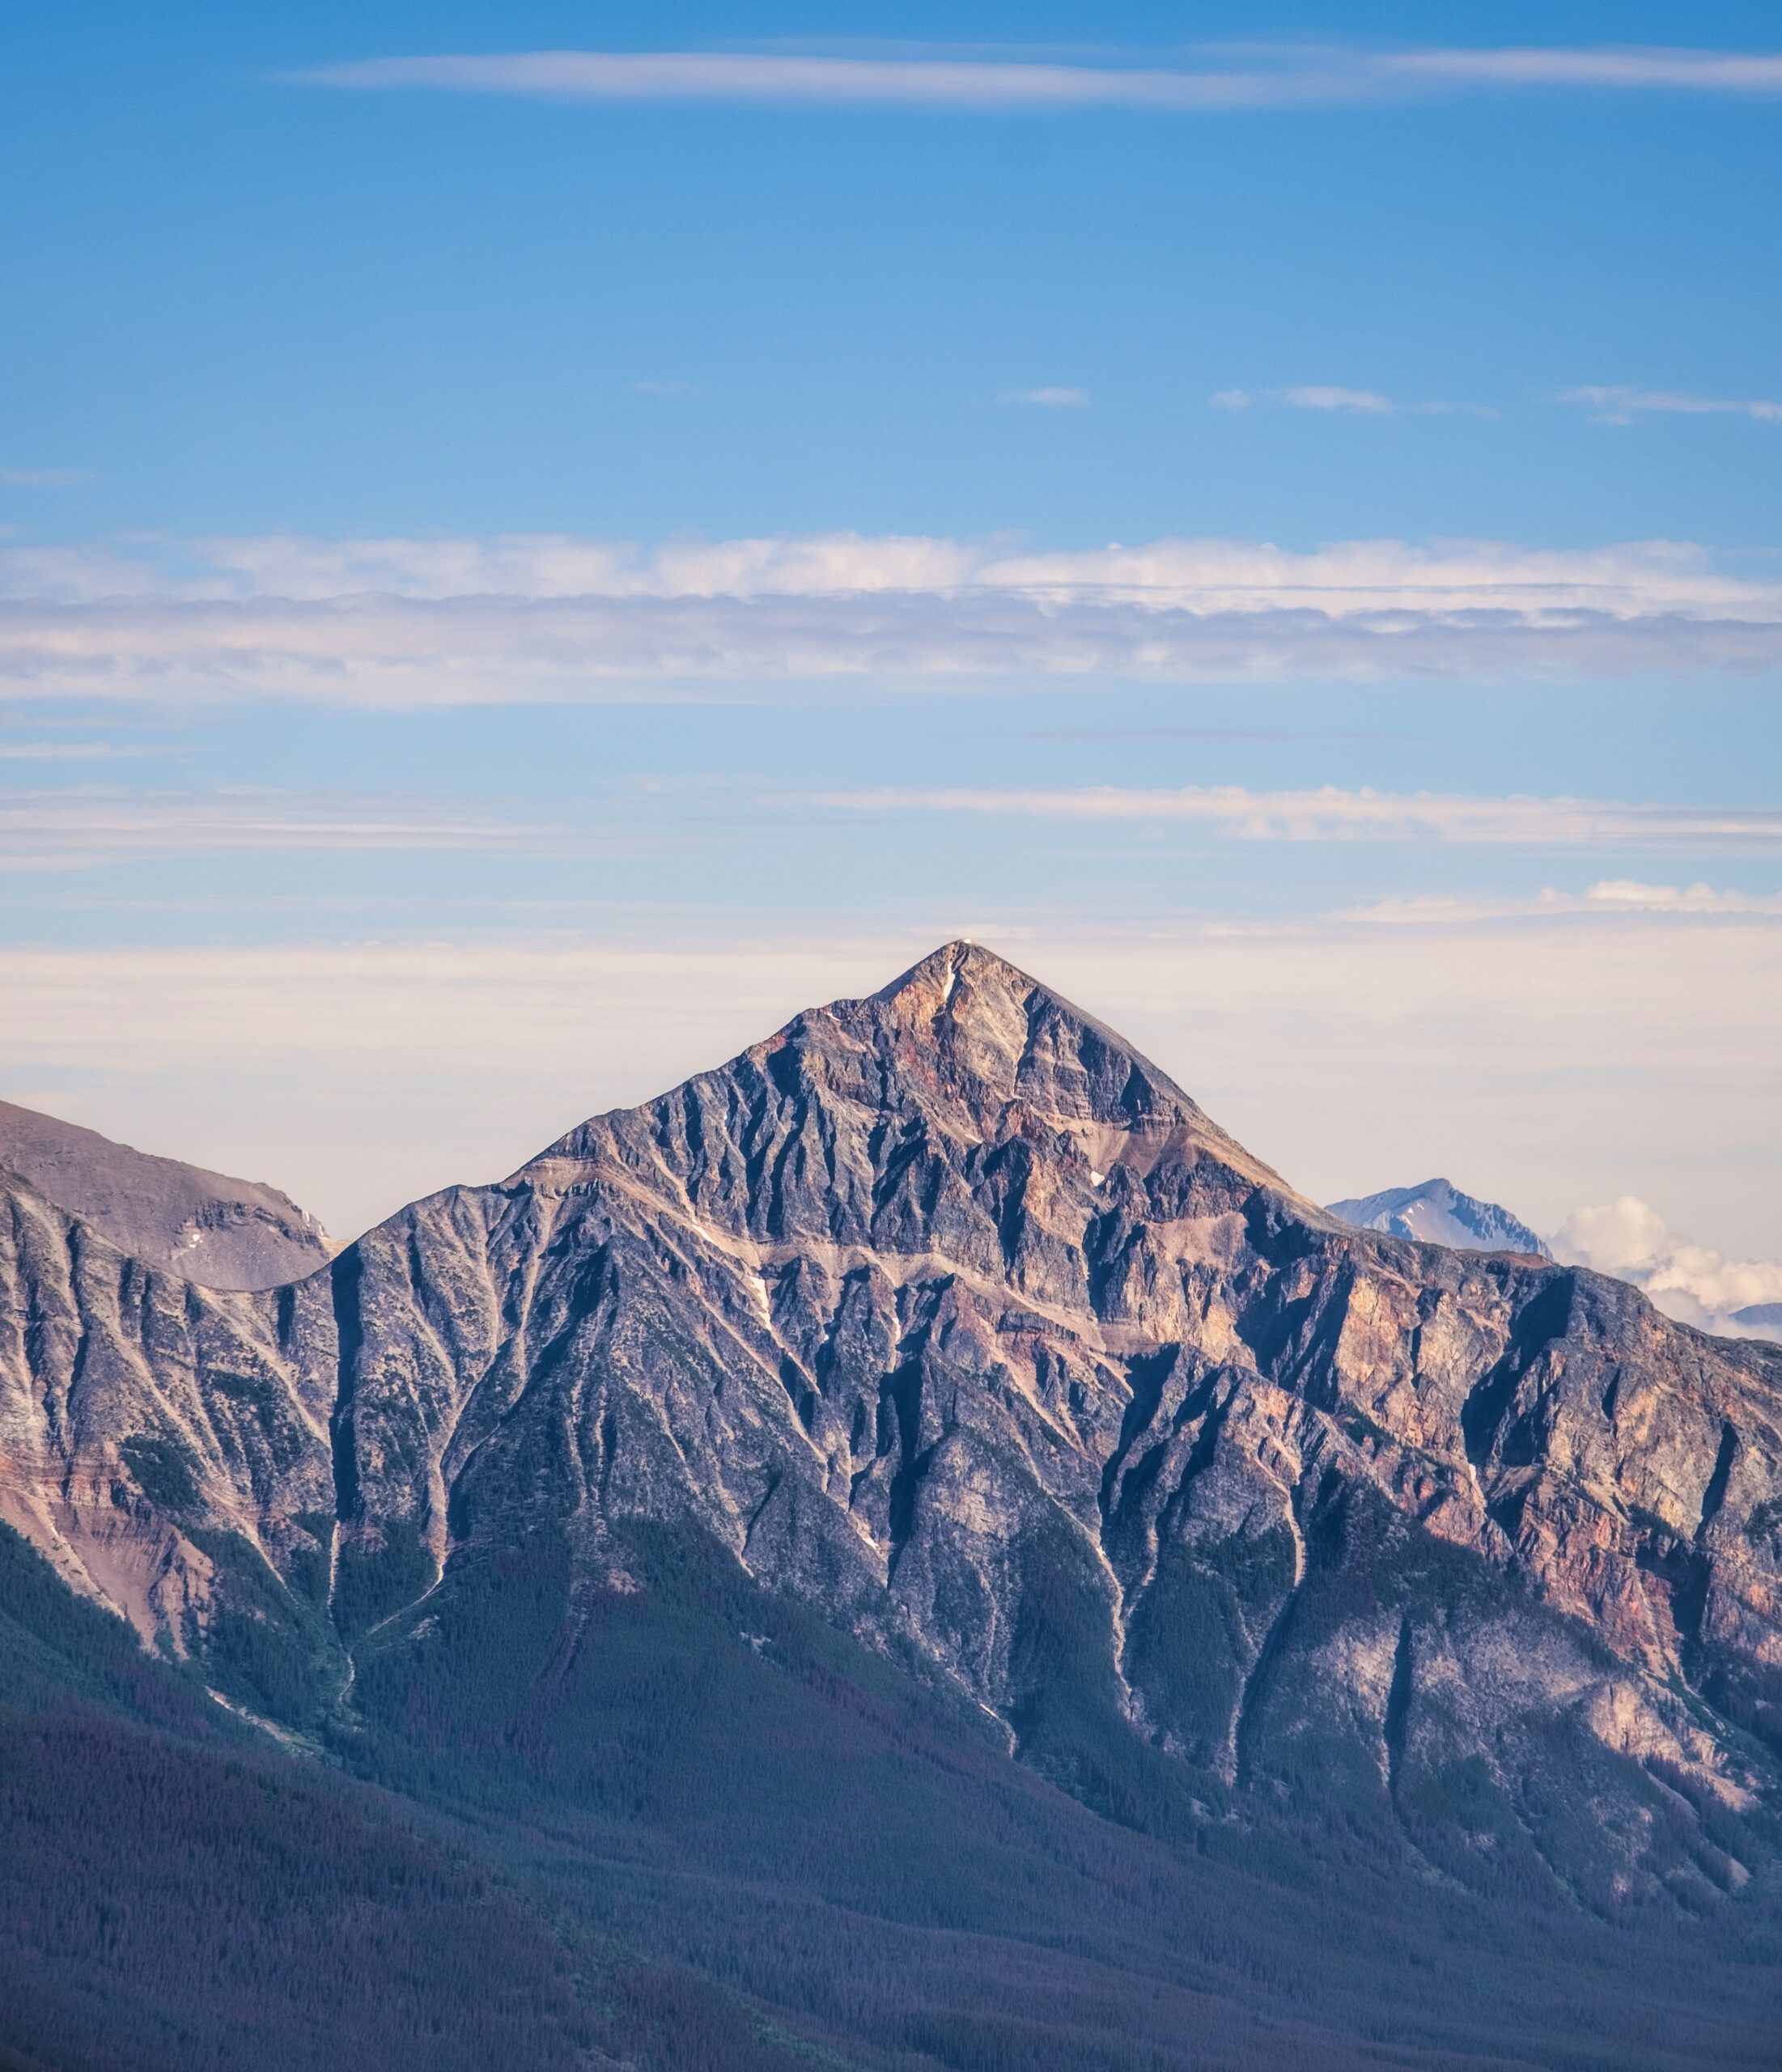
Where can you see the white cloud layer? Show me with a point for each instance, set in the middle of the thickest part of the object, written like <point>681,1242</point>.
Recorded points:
<point>1692,1283</point>
<point>528,616</point>
<point>1622,405</point>
<point>1330,814</point>
<point>1227,78</point>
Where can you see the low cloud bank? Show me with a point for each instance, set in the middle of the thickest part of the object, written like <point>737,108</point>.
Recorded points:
<point>1690,1282</point>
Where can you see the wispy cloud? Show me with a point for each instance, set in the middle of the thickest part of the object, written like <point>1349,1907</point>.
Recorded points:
<point>1346,578</point>
<point>1608,896</point>
<point>77,751</point>
<point>78,826</point>
<point>1622,405</point>
<point>83,827</point>
<point>1051,399</point>
<point>1623,68</point>
<point>523,616</point>
<point>1226,77</point>
<point>1341,402</point>
<point>1349,402</point>
<point>45,478</point>
<point>1329,814</point>
<point>1628,895</point>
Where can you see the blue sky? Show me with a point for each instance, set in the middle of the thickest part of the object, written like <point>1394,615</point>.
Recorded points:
<point>383,391</point>
<point>254,305</point>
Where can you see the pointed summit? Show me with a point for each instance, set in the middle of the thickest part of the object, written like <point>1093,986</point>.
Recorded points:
<point>941,970</point>
<point>966,985</point>
<point>979,1048</point>
<point>982,1010</point>
<point>1014,1038</point>
<point>1002,1041</point>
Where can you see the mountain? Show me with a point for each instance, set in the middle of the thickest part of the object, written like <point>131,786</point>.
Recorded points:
<point>1760,1318</point>
<point>1437,1214</point>
<point>206,1228</point>
<point>920,1527</point>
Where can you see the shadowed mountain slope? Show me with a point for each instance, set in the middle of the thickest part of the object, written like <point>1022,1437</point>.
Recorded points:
<point>219,1232</point>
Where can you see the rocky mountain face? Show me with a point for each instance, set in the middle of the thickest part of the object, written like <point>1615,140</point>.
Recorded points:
<point>945,1314</point>
<point>203,1226</point>
<point>1437,1213</point>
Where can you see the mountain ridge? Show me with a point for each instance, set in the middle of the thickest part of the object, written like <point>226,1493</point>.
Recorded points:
<point>943,1312</point>
<point>219,1231</point>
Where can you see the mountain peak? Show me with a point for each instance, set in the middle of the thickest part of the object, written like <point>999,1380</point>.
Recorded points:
<point>947,959</point>
<point>1437,1213</point>
<point>964,1043</point>
<point>969,987</point>
<point>968,983</point>
<point>1001,1034</point>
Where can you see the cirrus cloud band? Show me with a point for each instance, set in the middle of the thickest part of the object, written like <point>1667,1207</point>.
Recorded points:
<point>1231,78</point>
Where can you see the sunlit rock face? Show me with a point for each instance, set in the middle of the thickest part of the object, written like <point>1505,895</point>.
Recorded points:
<point>948,1314</point>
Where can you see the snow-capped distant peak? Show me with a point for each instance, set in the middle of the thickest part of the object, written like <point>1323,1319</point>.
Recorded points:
<point>1436,1213</point>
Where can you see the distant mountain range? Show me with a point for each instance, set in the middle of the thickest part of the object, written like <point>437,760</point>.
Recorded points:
<point>219,1232</point>
<point>1436,1213</point>
<point>912,1550</point>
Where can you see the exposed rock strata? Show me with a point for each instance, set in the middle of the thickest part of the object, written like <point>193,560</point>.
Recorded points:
<point>947,1312</point>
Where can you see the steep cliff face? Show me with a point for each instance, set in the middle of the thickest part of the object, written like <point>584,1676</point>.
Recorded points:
<point>945,1312</point>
